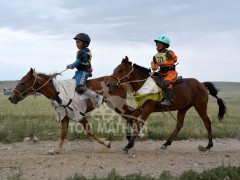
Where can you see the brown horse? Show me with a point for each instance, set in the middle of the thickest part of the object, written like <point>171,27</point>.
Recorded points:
<point>189,93</point>
<point>38,82</point>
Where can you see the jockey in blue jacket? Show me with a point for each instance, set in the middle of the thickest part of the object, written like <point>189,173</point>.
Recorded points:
<point>83,66</point>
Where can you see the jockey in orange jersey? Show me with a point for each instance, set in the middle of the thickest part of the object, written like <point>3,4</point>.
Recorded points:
<point>165,59</point>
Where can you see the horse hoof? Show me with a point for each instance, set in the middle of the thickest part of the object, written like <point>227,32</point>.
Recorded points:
<point>163,147</point>
<point>141,135</point>
<point>51,152</point>
<point>108,144</point>
<point>125,150</point>
<point>209,146</point>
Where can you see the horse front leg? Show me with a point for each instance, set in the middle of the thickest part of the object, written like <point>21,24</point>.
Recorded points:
<point>65,123</point>
<point>130,119</point>
<point>88,129</point>
<point>138,124</point>
<point>137,130</point>
<point>129,125</point>
<point>180,120</point>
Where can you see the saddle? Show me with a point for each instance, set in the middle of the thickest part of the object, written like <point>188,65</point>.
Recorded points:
<point>159,80</point>
<point>178,80</point>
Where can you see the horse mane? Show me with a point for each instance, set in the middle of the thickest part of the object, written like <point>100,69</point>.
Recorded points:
<point>142,69</point>
<point>47,76</point>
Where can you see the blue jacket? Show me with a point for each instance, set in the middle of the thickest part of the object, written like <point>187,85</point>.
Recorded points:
<point>83,60</point>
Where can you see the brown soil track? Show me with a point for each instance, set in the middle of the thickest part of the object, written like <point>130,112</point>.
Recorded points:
<point>88,158</point>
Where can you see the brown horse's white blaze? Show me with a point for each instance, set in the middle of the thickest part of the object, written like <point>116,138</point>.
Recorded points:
<point>189,93</point>
<point>33,82</point>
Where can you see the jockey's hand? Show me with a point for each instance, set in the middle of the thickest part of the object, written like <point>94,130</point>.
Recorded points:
<point>154,69</point>
<point>160,64</point>
<point>69,67</point>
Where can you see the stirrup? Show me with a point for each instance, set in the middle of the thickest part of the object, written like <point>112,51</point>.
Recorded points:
<point>165,102</point>
<point>100,101</point>
<point>80,89</point>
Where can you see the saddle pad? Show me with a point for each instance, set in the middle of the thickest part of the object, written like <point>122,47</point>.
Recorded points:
<point>73,105</point>
<point>149,87</point>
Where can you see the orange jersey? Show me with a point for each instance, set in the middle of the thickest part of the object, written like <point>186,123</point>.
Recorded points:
<point>167,57</point>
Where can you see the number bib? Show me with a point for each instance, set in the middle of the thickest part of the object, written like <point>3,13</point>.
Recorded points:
<point>161,57</point>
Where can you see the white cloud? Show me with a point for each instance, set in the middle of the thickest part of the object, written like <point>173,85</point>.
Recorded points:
<point>204,35</point>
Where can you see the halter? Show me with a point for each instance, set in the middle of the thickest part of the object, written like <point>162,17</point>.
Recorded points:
<point>127,76</point>
<point>32,87</point>
<point>119,79</point>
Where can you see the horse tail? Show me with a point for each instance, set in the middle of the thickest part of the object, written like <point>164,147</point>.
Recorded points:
<point>221,104</point>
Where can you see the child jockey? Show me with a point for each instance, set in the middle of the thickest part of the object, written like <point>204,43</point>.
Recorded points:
<point>83,66</point>
<point>165,59</point>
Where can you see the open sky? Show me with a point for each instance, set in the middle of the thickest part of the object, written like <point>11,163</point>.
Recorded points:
<point>205,35</point>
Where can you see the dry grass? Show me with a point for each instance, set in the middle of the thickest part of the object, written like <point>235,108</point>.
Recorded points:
<point>35,117</point>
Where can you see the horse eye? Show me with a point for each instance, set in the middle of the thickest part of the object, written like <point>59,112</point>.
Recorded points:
<point>120,71</point>
<point>21,84</point>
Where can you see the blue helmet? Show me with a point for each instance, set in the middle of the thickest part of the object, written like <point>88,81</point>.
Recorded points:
<point>164,39</point>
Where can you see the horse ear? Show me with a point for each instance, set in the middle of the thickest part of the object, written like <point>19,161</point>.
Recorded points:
<point>126,61</point>
<point>31,71</point>
<point>123,60</point>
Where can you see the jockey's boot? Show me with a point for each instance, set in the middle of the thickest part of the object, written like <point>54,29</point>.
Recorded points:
<point>97,99</point>
<point>80,89</point>
<point>168,96</point>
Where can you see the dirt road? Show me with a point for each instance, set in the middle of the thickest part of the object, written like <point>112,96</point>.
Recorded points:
<point>30,160</point>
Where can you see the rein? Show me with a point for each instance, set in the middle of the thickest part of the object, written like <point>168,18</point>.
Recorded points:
<point>127,76</point>
<point>32,87</point>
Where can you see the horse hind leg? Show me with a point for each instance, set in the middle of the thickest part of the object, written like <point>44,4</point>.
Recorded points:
<point>180,120</point>
<point>209,129</point>
<point>88,128</point>
<point>203,114</point>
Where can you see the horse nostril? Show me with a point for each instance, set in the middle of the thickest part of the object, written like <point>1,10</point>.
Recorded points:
<point>9,98</point>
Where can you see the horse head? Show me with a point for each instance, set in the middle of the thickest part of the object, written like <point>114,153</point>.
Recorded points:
<point>24,87</point>
<point>120,74</point>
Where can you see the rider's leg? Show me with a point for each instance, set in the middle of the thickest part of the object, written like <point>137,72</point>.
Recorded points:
<point>159,80</point>
<point>97,99</point>
<point>81,78</point>
<point>167,94</point>
<point>167,87</point>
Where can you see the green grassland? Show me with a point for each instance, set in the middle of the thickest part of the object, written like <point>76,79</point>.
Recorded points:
<point>220,173</point>
<point>34,116</point>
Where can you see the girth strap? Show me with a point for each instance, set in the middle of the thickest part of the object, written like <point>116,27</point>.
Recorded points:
<point>67,106</point>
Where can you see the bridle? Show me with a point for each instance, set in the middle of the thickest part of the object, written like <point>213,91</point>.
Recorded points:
<point>119,79</point>
<point>127,76</point>
<point>35,80</point>
<point>32,87</point>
